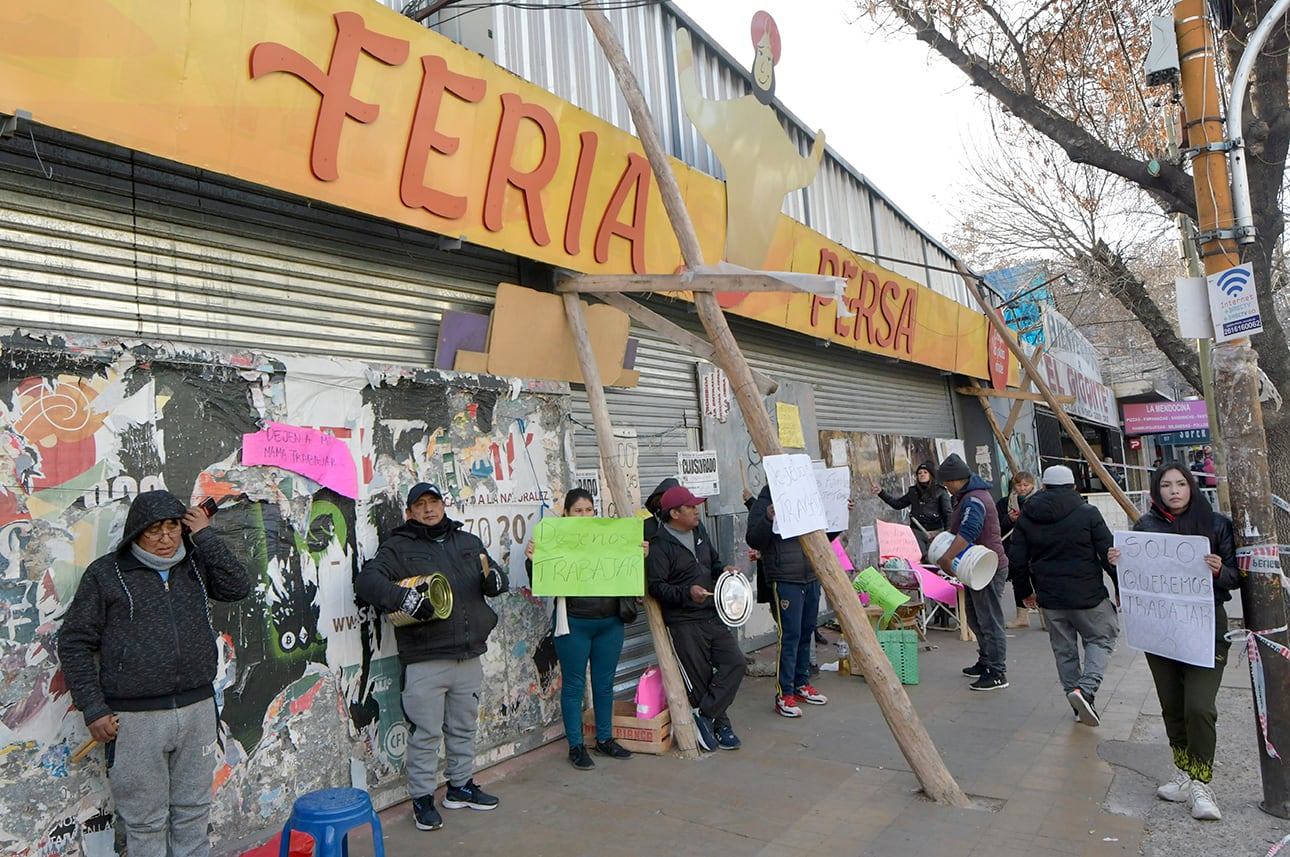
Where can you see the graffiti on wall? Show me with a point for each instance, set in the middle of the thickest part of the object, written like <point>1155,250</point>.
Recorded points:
<point>309,681</point>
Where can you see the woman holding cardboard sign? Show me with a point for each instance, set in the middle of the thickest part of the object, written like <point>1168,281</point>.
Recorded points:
<point>590,629</point>
<point>1187,693</point>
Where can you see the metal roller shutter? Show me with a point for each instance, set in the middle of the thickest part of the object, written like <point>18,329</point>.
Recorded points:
<point>122,244</point>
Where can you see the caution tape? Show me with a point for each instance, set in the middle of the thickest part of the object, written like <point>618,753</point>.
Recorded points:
<point>1252,640</point>
<point>1276,849</point>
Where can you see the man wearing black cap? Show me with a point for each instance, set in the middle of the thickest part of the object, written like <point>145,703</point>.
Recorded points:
<point>1062,541</point>
<point>976,522</point>
<point>442,672</point>
<point>682,570</point>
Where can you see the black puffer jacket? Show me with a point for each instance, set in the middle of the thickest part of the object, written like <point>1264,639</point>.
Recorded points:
<point>670,571</point>
<point>411,550</point>
<point>152,639</point>
<point>1221,541</point>
<point>929,504</point>
<point>783,560</point>
<point>1063,541</point>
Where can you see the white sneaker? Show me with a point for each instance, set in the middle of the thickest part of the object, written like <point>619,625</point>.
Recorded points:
<point>1178,789</point>
<point>1202,802</point>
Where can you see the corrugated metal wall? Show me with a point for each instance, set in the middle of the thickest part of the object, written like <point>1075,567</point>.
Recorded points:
<point>554,48</point>
<point>123,244</point>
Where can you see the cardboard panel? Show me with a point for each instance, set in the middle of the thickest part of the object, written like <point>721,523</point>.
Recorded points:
<point>530,336</point>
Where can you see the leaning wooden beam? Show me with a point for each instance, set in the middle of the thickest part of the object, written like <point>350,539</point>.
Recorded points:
<point>673,682</point>
<point>910,734</point>
<point>1004,446</point>
<point>976,287</point>
<point>1026,382</point>
<point>1020,395</point>
<point>697,345</point>
<point>677,283</point>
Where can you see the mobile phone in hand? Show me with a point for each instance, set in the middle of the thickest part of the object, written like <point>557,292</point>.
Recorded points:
<point>209,506</point>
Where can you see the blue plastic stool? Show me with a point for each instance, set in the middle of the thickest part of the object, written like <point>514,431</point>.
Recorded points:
<point>328,816</point>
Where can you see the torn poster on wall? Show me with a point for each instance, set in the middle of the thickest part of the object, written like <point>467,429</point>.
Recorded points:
<point>308,679</point>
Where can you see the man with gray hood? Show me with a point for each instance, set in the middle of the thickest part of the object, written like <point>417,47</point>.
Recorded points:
<point>1063,541</point>
<point>138,652</point>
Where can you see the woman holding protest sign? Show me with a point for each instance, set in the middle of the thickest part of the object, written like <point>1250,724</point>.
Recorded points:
<point>1187,693</point>
<point>589,629</point>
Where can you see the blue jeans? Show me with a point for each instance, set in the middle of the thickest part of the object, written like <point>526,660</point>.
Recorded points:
<point>796,608</point>
<point>601,642</point>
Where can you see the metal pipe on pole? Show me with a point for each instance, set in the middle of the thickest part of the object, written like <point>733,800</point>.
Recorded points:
<point>1236,377</point>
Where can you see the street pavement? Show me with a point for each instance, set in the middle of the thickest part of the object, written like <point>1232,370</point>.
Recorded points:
<point>833,782</point>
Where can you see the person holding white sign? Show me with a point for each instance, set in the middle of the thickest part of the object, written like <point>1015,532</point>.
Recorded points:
<point>1187,693</point>
<point>795,601</point>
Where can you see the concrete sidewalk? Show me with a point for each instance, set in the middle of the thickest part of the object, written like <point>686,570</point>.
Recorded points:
<point>833,781</point>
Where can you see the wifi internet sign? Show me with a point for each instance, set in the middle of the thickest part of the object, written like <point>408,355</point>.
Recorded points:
<point>1234,303</point>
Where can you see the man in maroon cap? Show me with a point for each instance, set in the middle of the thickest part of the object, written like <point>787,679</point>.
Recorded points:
<point>682,570</point>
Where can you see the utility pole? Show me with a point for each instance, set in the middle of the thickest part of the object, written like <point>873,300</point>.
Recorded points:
<point>1236,394</point>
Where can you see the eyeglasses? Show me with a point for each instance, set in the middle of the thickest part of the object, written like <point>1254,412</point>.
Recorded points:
<point>164,529</point>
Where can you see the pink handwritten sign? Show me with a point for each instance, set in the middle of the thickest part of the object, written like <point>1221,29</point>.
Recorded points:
<point>898,540</point>
<point>315,454</point>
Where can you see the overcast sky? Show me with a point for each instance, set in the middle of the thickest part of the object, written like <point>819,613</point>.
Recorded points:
<point>903,119</point>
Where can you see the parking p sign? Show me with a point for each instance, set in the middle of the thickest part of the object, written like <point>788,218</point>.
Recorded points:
<point>1234,304</point>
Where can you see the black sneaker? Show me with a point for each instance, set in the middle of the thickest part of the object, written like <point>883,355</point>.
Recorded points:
<point>469,795</point>
<point>579,759</point>
<point>612,749</point>
<point>703,731</point>
<point>988,681</point>
<point>977,668</point>
<point>1083,705</point>
<point>426,816</point>
<point>726,737</point>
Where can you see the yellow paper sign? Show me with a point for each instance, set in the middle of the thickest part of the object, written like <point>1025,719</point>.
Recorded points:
<point>790,425</point>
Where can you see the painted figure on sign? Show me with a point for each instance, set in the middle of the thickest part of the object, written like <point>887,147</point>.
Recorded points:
<point>139,654</point>
<point>761,162</point>
<point>589,630</point>
<point>440,654</point>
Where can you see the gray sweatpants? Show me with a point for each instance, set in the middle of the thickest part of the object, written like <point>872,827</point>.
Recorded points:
<point>162,767</point>
<point>441,702</point>
<point>985,618</point>
<point>1098,627</point>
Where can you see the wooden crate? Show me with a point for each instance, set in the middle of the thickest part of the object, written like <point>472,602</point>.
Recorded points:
<point>638,734</point>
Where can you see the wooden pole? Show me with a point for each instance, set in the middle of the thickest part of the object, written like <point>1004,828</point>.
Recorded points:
<point>673,683</point>
<point>998,432</point>
<point>975,286</point>
<point>1016,406</point>
<point>906,727</point>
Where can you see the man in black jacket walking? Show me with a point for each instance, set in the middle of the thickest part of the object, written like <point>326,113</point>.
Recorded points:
<point>681,571</point>
<point>442,672</point>
<point>138,652</point>
<point>1063,541</point>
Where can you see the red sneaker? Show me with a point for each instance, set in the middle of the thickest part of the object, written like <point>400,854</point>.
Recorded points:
<point>787,706</point>
<point>806,693</point>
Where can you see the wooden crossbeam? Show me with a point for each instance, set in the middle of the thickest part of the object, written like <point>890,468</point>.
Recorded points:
<point>1010,394</point>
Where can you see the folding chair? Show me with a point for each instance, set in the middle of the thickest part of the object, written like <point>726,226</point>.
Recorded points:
<point>940,595</point>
